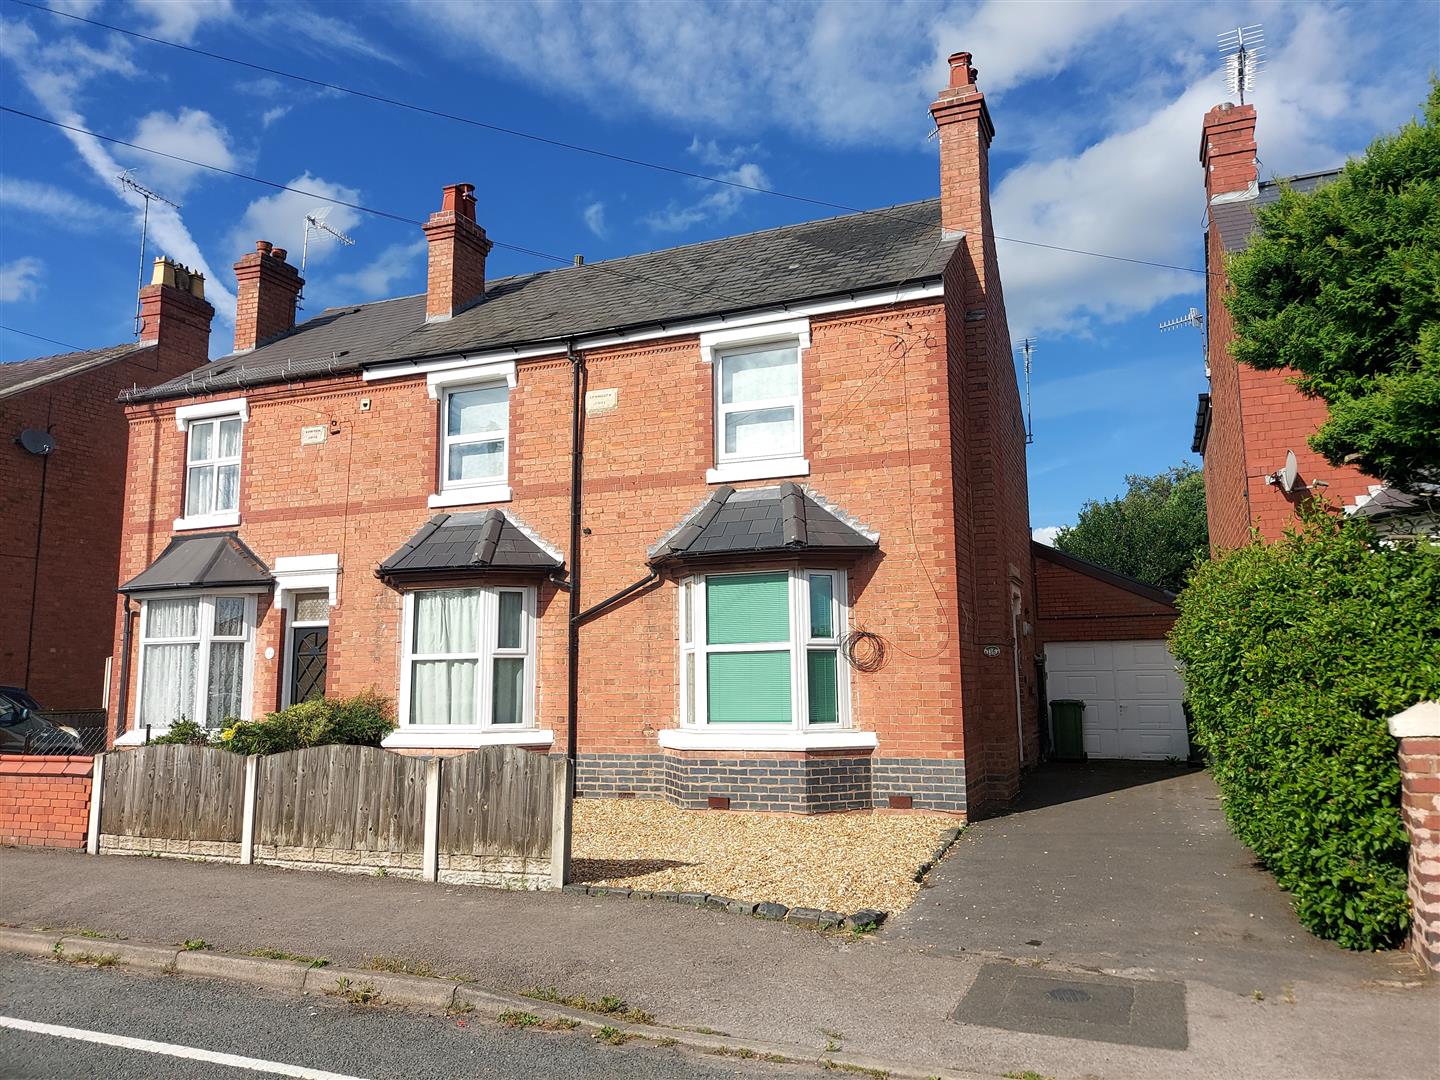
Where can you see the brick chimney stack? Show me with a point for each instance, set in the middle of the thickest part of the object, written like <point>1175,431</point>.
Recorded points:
<point>267,287</point>
<point>458,248</point>
<point>175,317</point>
<point>963,120</point>
<point>1227,151</point>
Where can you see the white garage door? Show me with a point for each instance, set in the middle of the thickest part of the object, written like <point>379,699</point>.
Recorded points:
<point>1131,692</point>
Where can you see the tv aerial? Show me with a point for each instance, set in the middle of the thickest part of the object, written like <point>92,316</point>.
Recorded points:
<point>129,183</point>
<point>1244,51</point>
<point>1027,352</point>
<point>315,222</point>
<point>1190,318</point>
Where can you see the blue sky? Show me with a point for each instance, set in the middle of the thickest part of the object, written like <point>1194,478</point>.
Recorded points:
<point>1097,108</point>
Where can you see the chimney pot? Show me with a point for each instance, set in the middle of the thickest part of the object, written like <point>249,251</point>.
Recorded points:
<point>961,73</point>
<point>579,260</point>
<point>263,246</point>
<point>278,253</point>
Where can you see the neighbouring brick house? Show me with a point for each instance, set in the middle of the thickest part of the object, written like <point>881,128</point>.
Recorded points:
<point>1249,420</point>
<point>62,488</point>
<point>762,498</point>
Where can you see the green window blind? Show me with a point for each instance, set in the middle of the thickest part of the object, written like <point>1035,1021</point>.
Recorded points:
<point>746,608</point>
<point>824,688</point>
<point>749,688</point>
<point>822,606</point>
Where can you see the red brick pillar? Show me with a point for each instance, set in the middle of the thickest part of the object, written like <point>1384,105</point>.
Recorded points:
<point>1418,729</point>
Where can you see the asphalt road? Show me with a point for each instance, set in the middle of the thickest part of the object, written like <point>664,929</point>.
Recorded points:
<point>313,1033</point>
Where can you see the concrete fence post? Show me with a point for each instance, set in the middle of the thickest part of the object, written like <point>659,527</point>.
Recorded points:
<point>430,868</point>
<point>1418,732</point>
<point>247,810</point>
<point>97,785</point>
<point>560,819</point>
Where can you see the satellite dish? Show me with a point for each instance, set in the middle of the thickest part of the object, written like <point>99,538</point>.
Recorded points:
<point>1289,472</point>
<point>36,442</point>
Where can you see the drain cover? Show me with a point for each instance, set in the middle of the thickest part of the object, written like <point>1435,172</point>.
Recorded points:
<point>1068,994</point>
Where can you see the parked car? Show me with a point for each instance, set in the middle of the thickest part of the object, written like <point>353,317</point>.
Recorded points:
<point>24,729</point>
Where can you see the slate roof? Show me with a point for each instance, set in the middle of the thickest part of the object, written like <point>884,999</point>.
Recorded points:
<point>476,542</point>
<point>22,375</point>
<point>891,247</point>
<point>772,520</point>
<point>1236,220</point>
<point>212,560</point>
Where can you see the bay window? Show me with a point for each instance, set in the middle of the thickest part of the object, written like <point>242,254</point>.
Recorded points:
<point>195,660</point>
<point>469,658</point>
<point>764,649</point>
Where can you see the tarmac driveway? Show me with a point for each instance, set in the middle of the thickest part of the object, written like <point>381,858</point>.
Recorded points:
<point>1127,868</point>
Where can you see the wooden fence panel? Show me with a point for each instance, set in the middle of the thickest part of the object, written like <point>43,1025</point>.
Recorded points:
<point>170,798</point>
<point>340,804</point>
<point>496,816</point>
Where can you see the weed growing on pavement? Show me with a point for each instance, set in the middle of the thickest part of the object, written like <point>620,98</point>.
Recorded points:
<point>516,1019</point>
<point>364,994</point>
<point>612,1035</point>
<point>859,1070</point>
<point>665,1041</point>
<point>195,944</point>
<point>99,960</point>
<point>1258,995</point>
<point>560,1023</point>
<point>459,1010</point>
<point>170,969</point>
<point>398,965</point>
<point>1027,1074</point>
<point>609,1005</point>
<point>299,958</point>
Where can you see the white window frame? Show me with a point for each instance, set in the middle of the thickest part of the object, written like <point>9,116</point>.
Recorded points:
<point>205,637</point>
<point>714,346</point>
<point>441,385</point>
<point>693,699</point>
<point>483,732</point>
<point>211,412</point>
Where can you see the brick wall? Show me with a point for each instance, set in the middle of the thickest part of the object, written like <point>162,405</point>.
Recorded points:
<point>63,663</point>
<point>44,801</point>
<point>1420,806</point>
<point>1075,603</point>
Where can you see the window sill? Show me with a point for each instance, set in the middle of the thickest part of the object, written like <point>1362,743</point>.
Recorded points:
<point>207,521</point>
<point>447,737</point>
<point>718,738</point>
<point>495,493</point>
<point>771,469</point>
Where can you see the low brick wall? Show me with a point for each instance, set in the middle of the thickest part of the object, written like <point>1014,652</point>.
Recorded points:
<point>44,800</point>
<point>1417,730</point>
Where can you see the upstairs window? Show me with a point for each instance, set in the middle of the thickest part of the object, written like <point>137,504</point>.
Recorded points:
<point>759,403</point>
<point>212,471</point>
<point>476,436</point>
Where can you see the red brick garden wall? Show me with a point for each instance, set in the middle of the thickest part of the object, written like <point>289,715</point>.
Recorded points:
<point>44,801</point>
<point>1420,806</point>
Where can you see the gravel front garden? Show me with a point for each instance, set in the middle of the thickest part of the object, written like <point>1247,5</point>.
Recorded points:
<point>837,862</point>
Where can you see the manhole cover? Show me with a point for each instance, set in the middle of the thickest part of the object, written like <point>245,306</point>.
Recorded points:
<point>1068,994</point>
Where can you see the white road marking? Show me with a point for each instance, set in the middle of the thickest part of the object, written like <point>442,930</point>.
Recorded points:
<point>193,1053</point>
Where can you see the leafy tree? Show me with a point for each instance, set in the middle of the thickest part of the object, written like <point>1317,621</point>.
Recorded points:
<point>1154,532</point>
<point>1342,285</point>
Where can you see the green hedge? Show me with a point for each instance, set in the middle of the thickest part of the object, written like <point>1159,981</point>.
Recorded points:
<point>1295,654</point>
<point>362,720</point>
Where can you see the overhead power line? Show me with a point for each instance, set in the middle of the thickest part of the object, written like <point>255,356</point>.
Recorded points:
<point>561,144</point>
<point>40,337</point>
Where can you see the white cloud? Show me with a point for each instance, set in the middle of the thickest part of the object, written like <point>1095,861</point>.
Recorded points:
<point>51,206</point>
<point>83,8</point>
<point>379,277</point>
<point>280,218</point>
<point>55,73</point>
<point>720,201</point>
<point>1046,534</point>
<point>20,279</point>
<point>190,133</point>
<point>269,116</point>
<point>180,20</point>
<point>594,216</point>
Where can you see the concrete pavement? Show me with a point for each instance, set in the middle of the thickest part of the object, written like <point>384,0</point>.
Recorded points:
<point>902,995</point>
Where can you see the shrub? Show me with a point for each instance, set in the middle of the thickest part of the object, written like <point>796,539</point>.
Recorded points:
<point>362,720</point>
<point>1295,654</point>
<point>184,733</point>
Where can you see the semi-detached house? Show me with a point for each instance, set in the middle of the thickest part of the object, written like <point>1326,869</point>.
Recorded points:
<point>738,523</point>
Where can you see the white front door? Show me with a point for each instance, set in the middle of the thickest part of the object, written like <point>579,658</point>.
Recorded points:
<point>1132,696</point>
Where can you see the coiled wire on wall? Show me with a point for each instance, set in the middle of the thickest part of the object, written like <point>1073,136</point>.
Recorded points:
<point>865,651</point>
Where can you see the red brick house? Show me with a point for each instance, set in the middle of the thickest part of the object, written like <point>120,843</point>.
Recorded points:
<point>1249,420</point>
<point>744,520</point>
<point>62,479</point>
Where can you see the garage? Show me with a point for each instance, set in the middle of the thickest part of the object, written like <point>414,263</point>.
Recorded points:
<point>1132,696</point>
